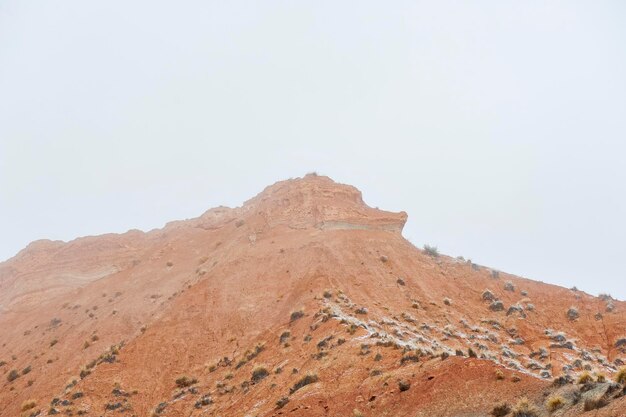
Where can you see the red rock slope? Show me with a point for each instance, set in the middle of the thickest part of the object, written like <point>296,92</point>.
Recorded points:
<point>302,302</point>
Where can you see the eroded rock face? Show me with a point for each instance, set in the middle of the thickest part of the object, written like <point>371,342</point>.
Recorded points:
<point>261,309</point>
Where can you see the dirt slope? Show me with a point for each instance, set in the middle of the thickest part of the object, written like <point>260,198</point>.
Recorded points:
<point>303,283</point>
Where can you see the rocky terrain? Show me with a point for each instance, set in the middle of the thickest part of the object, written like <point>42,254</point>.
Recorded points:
<point>302,302</point>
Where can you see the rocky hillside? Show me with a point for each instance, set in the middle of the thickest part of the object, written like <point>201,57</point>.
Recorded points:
<point>302,302</point>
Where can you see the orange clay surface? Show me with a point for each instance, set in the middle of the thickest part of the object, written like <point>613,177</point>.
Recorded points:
<point>209,298</point>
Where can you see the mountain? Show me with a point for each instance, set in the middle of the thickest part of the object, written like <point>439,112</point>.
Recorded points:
<point>302,302</point>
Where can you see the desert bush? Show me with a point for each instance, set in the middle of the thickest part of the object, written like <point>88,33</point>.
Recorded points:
<point>28,405</point>
<point>501,410</point>
<point>185,381</point>
<point>259,373</point>
<point>296,315</point>
<point>601,378</point>
<point>304,381</point>
<point>26,370</point>
<point>431,251</point>
<point>328,294</point>
<point>282,402</point>
<point>53,342</point>
<point>284,337</point>
<point>12,375</point>
<point>447,301</point>
<point>585,378</point>
<point>554,403</point>
<point>404,385</point>
<point>620,377</point>
<point>524,408</point>
<point>488,295</point>
<point>496,306</point>
<point>499,374</point>
<point>508,286</point>
<point>572,313</point>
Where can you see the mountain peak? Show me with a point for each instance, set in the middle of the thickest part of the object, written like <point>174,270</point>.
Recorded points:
<point>318,201</point>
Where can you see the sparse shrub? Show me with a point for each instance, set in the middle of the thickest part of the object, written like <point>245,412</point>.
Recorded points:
<point>600,378</point>
<point>84,372</point>
<point>26,370</point>
<point>86,344</point>
<point>585,378</point>
<point>488,295</point>
<point>95,338</point>
<point>495,274</point>
<point>404,385</point>
<point>203,401</point>
<point>361,310</point>
<point>447,301</point>
<point>328,294</point>
<point>554,403</point>
<point>28,405</point>
<point>524,408</point>
<point>471,353</point>
<point>431,251</point>
<point>499,374</point>
<point>53,342</point>
<point>400,281</point>
<point>185,381</point>
<point>170,263</point>
<point>620,377</point>
<point>497,305</point>
<point>572,313</point>
<point>304,381</point>
<point>259,373</point>
<point>296,315</point>
<point>12,375</point>
<point>508,286</point>
<point>284,337</point>
<point>282,402</point>
<point>501,410</point>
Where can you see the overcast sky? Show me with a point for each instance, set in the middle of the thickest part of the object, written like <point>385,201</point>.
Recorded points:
<point>499,126</point>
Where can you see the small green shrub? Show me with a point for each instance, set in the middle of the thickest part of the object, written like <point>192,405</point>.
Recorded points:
<point>13,375</point>
<point>259,373</point>
<point>431,251</point>
<point>524,408</point>
<point>304,381</point>
<point>296,315</point>
<point>185,381</point>
<point>501,410</point>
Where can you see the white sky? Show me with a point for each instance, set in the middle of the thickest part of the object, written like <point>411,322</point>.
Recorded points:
<point>499,126</point>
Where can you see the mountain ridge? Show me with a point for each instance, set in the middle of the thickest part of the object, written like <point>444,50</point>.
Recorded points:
<point>211,297</point>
